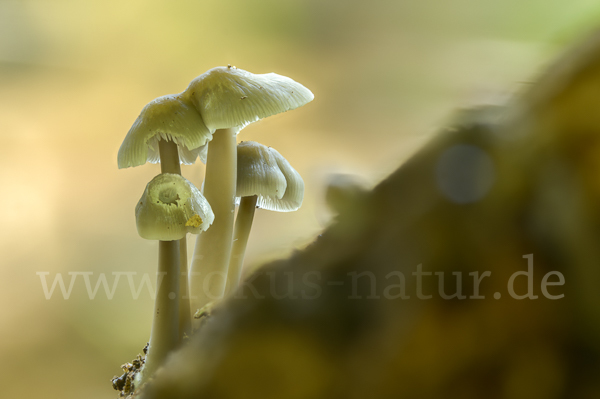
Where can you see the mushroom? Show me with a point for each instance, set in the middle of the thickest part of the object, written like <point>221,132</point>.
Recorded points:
<point>169,130</point>
<point>266,180</point>
<point>170,208</point>
<point>228,99</point>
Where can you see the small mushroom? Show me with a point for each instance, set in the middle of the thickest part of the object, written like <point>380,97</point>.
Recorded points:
<point>217,95</point>
<point>169,208</point>
<point>266,180</point>
<point>169,130</point>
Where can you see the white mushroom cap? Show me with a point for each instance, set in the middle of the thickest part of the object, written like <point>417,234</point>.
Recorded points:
<point>168,117</point>
<point>228,97</point>
<point>258,172</point>
<point>170,207</point>
<point>263,172</point>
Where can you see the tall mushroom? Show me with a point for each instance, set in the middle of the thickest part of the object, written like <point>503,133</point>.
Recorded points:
<point>229,99</point>
<point>170,208</point>
<point>266,180</point>
<point>169,130</point>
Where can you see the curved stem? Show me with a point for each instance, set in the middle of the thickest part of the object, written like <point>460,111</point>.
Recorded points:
<point>243,224</point>
<point>169,163</point>
<point>213,247</point>
<point>164,336</point>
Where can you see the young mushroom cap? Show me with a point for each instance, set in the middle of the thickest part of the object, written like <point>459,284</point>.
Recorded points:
<point>170,208</point>
<point>228,97</point>
<point>258,172</point>
<point>263,172</point>
<point>169,118</point>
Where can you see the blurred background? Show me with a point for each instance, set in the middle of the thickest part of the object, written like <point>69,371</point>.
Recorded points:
<point>75,74</point>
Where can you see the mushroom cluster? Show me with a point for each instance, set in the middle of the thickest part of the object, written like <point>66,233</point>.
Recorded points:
<point>203,121</point>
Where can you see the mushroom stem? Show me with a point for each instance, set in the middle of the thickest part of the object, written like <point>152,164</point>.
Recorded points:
<point>243,224</point>
<point>185,316</point>
<point>169,157</point>
<point>169,163</point>
<point>213,247</point>
<point>164,336</point>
